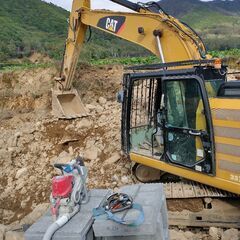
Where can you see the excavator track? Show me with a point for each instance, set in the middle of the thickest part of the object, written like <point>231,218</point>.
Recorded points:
<point>177,188</point>
<point>204,212</point>
<point>192,204</point>
<point>189,189</point>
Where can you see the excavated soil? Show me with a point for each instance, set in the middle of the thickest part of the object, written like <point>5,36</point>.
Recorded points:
<point>33,140</point>
<point>177,205</point>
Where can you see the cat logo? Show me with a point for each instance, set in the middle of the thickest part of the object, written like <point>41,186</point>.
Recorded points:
<point>111,24</point>
<point>114,24</point>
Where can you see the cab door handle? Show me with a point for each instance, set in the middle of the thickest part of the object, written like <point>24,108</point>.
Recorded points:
<point>195,133</point>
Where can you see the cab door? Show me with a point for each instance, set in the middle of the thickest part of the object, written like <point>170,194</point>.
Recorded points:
<point>188,131</point>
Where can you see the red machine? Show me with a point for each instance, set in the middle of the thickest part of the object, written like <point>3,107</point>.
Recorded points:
<point>68,190</point>
<point>62,186</point>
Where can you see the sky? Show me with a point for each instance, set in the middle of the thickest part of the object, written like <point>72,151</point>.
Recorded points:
<point>96,4</point>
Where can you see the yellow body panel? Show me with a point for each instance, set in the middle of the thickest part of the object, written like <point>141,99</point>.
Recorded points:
<point>224,103</point>
<point>227,164</point>
<point>229,141</point>
<point>229,157</point>
<point>217,182</point>
<point>183,47</point>
<point>224,123</point>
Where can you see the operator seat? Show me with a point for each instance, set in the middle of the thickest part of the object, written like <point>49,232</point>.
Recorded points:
<point>229,89</point>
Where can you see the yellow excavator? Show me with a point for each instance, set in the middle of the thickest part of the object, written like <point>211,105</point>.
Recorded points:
<point>179,117</point>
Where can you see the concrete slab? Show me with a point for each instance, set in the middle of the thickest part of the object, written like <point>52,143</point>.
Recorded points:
<point>155,226</point>
<point>79,227</point>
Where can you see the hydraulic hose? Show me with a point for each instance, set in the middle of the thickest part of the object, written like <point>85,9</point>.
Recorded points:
<point>128,4</point>
<point>82,173</point>
<point>59,223</point>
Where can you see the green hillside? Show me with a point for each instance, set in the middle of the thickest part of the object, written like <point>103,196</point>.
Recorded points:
<point>27,26</point>
<point>219,28</point>
<point>33,25</point>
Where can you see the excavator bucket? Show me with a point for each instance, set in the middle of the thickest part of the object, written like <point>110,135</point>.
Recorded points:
<point>67,104</point>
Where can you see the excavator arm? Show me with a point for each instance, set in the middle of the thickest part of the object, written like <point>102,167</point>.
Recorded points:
<point>149,26</point>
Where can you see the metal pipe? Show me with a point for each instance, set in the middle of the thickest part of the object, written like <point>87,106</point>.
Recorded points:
<point>160,49</point>
<point>125,3</point>
<point>59,223</point>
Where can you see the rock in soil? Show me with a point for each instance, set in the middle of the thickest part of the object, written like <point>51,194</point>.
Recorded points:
<point>116,157</point>
<point>177,235</point>
<point>3,229</point>
<point>14,235</point>
<point>215,233</point>
<point>231,234</point>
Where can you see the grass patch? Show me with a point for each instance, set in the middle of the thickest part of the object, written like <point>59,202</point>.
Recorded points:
<point>126,61</point>
<point>226,53</point>
<point>21,66</point>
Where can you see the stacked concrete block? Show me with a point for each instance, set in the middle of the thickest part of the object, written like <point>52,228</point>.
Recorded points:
<point>78,228</point>
<point>155,226</point>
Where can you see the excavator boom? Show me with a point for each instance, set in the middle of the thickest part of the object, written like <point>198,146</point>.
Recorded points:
<point>149,26</point>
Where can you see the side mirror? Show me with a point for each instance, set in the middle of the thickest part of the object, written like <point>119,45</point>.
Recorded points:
<point>119,96</point>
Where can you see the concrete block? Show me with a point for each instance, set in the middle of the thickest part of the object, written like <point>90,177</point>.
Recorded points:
<point>161,234</point>
<point>155,226</point>
<point>96,197</point>
<point>107,228</point>
<point>78,228</point>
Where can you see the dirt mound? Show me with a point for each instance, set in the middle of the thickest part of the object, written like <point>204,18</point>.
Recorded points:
<point>32,140</point>
<point>39,58</point>
<point>98,82</point>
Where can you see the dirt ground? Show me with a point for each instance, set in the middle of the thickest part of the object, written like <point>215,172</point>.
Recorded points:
<point>33,140</point>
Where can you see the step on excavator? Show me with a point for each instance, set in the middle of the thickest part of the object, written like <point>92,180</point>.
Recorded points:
<point>181,117</point>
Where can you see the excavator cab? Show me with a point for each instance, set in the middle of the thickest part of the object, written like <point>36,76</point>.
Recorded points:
<point>169,119</point>
<point>187,143</point>
<point>168,122</point>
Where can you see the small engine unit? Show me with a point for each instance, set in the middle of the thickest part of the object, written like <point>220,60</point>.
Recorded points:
<point>69,189</point>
